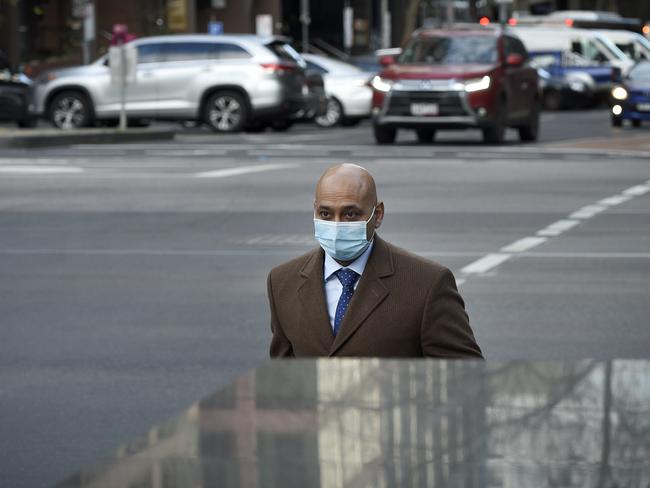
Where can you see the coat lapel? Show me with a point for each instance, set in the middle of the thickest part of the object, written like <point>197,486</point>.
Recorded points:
<point>314,317</point>
<point>370,292</point>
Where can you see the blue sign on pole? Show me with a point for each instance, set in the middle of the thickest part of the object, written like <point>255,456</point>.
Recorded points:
<point>215,28</point>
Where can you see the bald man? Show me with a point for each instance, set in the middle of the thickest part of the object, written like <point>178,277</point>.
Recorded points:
<point>357,295</point>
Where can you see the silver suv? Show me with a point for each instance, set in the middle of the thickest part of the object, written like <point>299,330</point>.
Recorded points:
<point>230,82</point>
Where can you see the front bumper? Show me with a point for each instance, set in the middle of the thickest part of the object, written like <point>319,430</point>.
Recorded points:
<point>455,110</point>
<point>14,101</point>
<point>636,107</point>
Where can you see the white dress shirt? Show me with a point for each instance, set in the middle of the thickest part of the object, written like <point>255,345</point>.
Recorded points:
<point>333,287</point>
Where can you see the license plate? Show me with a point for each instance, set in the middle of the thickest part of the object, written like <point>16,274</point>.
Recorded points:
<point>643,107</point>
<point>424,109</point>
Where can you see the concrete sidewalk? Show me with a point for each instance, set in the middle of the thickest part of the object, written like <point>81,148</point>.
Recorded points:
<point>637,142</point>
<point>55,137</point>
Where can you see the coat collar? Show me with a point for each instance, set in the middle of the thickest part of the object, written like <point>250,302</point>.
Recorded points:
<point>370,292</point>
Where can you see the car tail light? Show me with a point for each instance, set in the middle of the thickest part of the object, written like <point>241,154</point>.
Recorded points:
<point>278,68</point>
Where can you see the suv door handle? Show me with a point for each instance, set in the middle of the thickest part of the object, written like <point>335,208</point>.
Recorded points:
<point>147,74</point>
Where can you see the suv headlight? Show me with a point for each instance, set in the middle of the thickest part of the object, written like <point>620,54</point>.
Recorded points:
<point>477,84</point>
<point>619,93</point>
<point>381,84</point>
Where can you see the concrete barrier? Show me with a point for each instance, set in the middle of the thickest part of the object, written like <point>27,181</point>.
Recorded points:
<point>56,137</point>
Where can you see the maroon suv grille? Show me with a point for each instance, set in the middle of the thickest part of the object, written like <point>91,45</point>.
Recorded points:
<point>449,103</point>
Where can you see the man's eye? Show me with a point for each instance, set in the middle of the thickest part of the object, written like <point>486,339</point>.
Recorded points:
<point>351,214</point>
<point>323,214</point>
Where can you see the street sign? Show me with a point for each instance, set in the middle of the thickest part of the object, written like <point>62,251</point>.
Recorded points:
<point>348,17</point>
<point>89,22</point>
<point>177,15</point>
<point>215,28</point>
<point>115,63</point>
<point>264,25</point>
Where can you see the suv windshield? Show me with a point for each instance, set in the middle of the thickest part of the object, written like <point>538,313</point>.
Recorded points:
<point>450,50</point>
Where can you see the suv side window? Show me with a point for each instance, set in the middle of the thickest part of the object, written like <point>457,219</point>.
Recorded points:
<point>148,53</point>
<point>230,51</point>
<point>187,51</point>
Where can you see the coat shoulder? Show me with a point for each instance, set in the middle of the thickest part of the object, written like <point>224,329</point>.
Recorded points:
<point>407,261</point>
<point>294,266</point>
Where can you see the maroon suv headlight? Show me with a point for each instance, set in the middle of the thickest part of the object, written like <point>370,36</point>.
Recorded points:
<point>381,84</point>
<point>477,84</point>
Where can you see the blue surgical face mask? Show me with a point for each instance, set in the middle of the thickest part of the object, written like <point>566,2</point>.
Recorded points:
<point>343,241</point>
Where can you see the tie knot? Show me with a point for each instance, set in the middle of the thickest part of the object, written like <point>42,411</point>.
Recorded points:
<point>347,277</point>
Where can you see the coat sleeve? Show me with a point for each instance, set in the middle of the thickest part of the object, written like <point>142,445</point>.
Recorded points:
<point>445,331</point>
<point>280,345</point>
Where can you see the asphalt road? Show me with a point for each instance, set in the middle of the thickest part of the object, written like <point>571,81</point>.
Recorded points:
<point>132,277</point>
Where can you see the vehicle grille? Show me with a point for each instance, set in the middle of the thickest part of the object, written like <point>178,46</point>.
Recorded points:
<point>449,103</point>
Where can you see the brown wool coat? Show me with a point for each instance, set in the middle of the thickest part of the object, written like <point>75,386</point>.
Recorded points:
<point>404,306</point>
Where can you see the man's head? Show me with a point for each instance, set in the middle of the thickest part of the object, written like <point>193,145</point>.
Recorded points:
<point>347,193</point>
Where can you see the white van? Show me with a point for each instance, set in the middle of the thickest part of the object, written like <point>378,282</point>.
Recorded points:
<point>589,44</point>
<point>634,45</point>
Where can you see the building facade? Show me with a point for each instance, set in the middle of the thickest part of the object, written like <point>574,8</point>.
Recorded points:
<point>51,32</point>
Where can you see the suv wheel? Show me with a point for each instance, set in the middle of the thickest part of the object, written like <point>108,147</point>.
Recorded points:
<point>530,131</point>
<point>384,135</point>
<point>617,121</point>
<point>225,111</point>
<point>495,133</point>
<point>333,114</point>
<point>636,123</point>
<point>69,110</point>
<point>425,135</point>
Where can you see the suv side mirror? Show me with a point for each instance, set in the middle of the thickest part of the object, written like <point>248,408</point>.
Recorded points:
<point>514,60</point>
<point>387,60</point>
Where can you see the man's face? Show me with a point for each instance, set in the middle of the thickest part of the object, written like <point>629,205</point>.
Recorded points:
<point>345,198</point>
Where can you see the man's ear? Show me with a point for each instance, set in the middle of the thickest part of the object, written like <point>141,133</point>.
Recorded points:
<point>379,214</point>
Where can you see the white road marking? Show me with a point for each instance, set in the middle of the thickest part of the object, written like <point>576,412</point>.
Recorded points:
<point>556,228</point>
<point>292,252</point>
<point>39,170</point>
<point>637,190</point>
<point>242,170</point>
<point>485,264</point>
<point>615,200</point>
<point>587,212</point>
<point>490,261</point>
<point>187,152</point>
<point>523,244</point>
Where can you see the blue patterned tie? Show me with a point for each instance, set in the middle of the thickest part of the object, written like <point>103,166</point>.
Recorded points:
<point>348,278</point>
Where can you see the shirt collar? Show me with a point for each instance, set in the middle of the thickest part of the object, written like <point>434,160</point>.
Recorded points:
<point>330,266</point>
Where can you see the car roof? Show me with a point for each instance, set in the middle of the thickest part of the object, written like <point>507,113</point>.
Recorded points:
<point>212,38</point>
<point>460,31</point>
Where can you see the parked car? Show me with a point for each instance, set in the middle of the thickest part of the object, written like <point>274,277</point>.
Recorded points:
<point>227,82</point>
<point>631,98</point>
<point>348,94</point>
<point>15,95</point>
<point>570,81</point>
<point>454,79</point>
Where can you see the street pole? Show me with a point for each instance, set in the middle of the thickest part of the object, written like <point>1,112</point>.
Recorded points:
<point>385,25</point>
<point>305,20</point>
<point>122,87</point>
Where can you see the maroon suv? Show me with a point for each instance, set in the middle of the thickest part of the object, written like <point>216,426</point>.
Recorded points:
<point>454,79</point>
